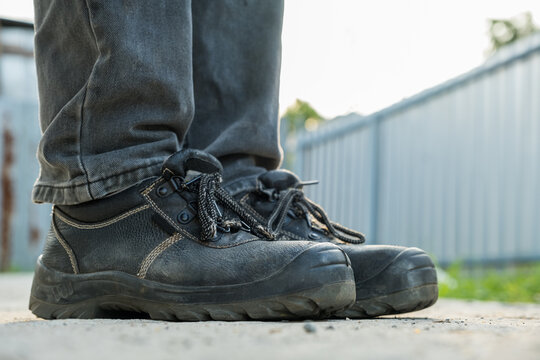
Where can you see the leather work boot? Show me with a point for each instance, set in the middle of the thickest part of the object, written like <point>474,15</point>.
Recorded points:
<point>179,247</point>
<point>389,279</point>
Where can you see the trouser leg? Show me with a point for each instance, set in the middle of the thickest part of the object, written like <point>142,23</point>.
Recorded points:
<point>116,93</point>
<point>236,66</point>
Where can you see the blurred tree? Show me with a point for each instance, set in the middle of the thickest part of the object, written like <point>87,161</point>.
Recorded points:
<point>301,115</point>
<point>506,31</point>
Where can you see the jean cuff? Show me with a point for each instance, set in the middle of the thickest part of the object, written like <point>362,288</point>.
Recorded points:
<point>80,193</point>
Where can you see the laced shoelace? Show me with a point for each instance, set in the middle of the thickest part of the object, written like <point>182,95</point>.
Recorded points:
<point>293,199</point>
<point>209,192</point>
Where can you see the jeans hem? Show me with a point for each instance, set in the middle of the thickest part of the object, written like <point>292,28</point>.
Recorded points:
<point>80,193</point>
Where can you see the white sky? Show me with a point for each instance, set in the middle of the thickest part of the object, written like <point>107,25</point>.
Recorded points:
<point>353,55</point>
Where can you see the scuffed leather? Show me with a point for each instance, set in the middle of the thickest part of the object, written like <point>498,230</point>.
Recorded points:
<point>383,269</point>
<point>120,246</point>
<point>367,261</point>
<point>54,254</point>
<point>371,260</point>
<point>123,243</point>
<point>190,263</point>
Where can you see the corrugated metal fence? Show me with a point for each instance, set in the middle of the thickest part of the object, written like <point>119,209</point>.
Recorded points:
<point>454,170</point>
<point>23,225</point>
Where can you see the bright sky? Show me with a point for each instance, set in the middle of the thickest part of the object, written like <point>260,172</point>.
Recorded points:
<point>351,55</point>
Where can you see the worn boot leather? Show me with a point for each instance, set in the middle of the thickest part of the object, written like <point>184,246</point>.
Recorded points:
<point>389,279</point>
<point>179,247</point>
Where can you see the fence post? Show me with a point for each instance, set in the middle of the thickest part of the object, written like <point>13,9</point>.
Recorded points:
<point>375,178</point>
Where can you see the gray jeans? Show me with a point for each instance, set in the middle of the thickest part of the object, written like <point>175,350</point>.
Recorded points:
<point>125,83</point>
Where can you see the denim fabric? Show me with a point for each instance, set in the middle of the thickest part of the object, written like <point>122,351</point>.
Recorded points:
<point>236,66</point>
<point>121,83</point>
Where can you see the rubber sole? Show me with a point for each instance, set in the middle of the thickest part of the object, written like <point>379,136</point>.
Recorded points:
<point>408,283</point>
<point>326,286</point>
<point>413,299</point>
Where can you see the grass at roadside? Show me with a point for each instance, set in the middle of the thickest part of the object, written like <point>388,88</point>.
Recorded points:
<point>520,283</point>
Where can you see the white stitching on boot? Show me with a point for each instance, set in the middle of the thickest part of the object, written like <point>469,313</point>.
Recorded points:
<point>149,259</point>
<point>104,223</point>
<point>66,247</point>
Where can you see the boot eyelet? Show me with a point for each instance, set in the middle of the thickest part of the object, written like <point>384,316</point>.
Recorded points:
<point>162,191</point>
<point>314,236</point>
<point>217,237</point>
<point>184,217</point>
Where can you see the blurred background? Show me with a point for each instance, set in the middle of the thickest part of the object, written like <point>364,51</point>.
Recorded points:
<point>421,120</point>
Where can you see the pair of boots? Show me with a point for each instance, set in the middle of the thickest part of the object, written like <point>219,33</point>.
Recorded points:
<point>181,247</point>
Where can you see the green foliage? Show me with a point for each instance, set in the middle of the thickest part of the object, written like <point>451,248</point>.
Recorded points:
<point>14,269</point>
<point>300,114</point>
<point>506,31</point>
<point>516,284</point>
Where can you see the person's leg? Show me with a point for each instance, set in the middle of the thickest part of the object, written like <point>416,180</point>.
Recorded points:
<point>236,79</point>
<point>116,93</point>
<point>236,66</point>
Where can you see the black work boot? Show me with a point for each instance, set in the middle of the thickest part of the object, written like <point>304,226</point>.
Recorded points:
<point>178,247</point>
<point>389,279</point>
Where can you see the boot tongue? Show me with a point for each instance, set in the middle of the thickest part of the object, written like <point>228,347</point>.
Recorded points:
<point>279,180</point>
<point>191,160</point>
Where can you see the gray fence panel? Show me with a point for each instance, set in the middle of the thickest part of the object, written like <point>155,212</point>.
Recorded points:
<point>351,170</point>
<point>454,170</point>
<point>24,224</point>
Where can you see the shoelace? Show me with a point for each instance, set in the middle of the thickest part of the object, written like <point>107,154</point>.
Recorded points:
<point>293,199</point>
<point>209,191</point>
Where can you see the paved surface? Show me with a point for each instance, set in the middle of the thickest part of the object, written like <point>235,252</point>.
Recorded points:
<point>451,329</point>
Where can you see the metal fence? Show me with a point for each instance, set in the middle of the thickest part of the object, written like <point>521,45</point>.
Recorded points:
<point>23,225</point>
<point>454,170</point>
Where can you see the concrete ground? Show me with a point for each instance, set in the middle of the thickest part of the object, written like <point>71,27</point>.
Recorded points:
<point>451,329</point>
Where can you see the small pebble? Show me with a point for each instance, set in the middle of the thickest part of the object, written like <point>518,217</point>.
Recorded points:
<point>330,327</point>
<point>309,328</point>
